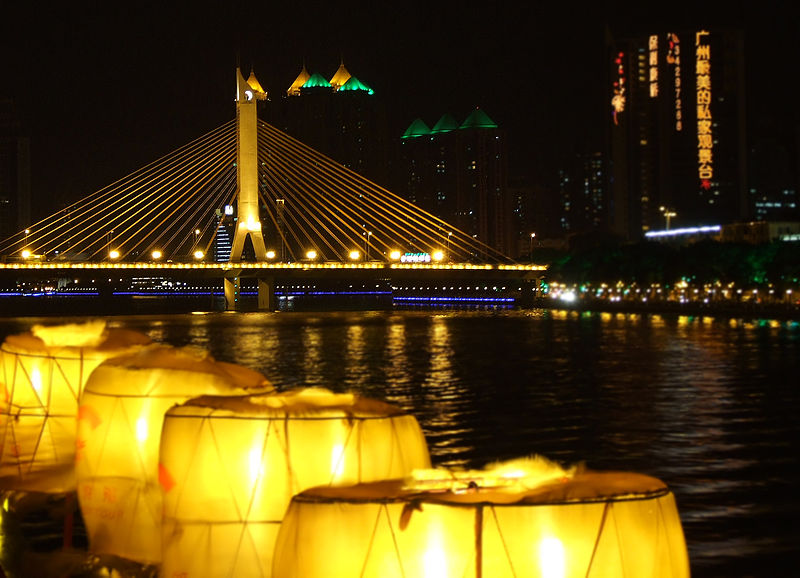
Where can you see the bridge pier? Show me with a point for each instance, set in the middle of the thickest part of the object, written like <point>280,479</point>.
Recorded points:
<point>232,287</point>
<point>266,294</point>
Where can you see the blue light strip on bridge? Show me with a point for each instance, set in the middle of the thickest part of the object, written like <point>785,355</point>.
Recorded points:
<point>458,299</point>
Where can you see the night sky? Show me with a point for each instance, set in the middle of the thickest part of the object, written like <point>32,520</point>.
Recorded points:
<point>105,88</point>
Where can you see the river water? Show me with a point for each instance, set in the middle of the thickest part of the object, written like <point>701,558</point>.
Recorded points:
<point>710,406</point>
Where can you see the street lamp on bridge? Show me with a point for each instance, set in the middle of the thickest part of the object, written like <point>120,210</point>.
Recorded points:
<point>668,214</point>
<point>113,254</point>
<point>367,235</point>
<point>530,250</point>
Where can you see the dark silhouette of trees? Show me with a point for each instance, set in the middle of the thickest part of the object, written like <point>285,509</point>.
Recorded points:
<point>603,259</point>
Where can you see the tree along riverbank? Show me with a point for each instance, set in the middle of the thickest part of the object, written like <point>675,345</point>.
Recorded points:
<point>746,310</point>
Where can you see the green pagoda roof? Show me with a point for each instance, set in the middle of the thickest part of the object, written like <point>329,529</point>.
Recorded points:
<point>417,128</point>
<point>446,124</point>
<point>316,80</point>
<point>355,84</point>
<point>478,119</point>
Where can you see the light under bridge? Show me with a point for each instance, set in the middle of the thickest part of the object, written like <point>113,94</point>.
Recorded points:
<point>247,200</point>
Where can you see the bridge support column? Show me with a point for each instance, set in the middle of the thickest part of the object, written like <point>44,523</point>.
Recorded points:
<point>266,294</point>
<point>233,298</point>
<point>531,291</point>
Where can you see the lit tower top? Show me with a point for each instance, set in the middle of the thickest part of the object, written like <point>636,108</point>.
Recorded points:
<point>252,82</point>
<point>416,129</point>
<point>478,119</point>
<point>446,124</point>
<point>248,222</point>
<point>316,80</point>
<point>302,78</point>
<point>340,78</point>
<point>354,84</point>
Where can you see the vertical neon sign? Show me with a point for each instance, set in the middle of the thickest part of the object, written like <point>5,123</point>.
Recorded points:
<point>674,59</point>
<point>704,136</point>
<point>653,65</point>
<point>618,99</point>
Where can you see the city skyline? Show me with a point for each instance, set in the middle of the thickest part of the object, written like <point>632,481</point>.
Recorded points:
<point>104,93</point>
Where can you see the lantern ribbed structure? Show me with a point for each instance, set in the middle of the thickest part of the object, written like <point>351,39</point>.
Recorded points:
<point>42,374</point>
<point>231,465</point>
<point>119,431</point>
<point>588,526</point>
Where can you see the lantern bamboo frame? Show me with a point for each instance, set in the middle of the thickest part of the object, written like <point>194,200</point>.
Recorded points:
<point>592,525</point>
<point>119,432</point>
<point>42,384</point>
<point>231,465</point>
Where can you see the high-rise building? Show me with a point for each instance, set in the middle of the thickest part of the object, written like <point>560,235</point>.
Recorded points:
<point>342,118</point>
<point>223,240</point>
<point>773,194</point>
<point>459,173</point>
<point>15,172</point>
<point>677,130</point>
<point>582,192</point>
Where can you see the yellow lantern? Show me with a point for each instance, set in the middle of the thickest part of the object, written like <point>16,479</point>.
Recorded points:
<point>231,465</point>
<point>119,430</point>
<point>486,525</point>
<point>42,374</point>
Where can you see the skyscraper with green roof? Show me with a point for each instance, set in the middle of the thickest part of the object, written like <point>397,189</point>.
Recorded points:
<point>341,117</point>
<point>459,172</point>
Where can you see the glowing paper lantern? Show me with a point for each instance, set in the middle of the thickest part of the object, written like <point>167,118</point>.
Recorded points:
<point>584,525</point>
<point>119,430</point>
<point>42,374</point>
<point>231,465</point>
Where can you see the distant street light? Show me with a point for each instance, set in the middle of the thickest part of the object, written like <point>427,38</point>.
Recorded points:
<point>530,250</point>
<point>449,234</point>
<point>668,214</point>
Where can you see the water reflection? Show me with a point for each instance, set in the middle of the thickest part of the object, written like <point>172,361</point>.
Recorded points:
<point>445,424</point>
<point>708,405</point>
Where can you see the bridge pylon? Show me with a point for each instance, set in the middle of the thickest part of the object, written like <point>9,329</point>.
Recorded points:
<point>248,222</point>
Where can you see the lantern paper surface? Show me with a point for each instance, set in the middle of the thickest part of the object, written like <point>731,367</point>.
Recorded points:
<point>119,430</point>
<point>588,525</point>
<point>42,374</point>
<point>231,465</point>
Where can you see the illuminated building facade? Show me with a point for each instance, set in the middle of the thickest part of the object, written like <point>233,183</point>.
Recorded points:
<point>459,173</point>
<point>340,117</point>
<point>15,184</point>
<point>676,130</point>
<point>223,240</point>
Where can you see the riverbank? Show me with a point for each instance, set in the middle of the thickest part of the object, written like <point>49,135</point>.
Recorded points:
<point>748,310</point>
<point>54,305</point>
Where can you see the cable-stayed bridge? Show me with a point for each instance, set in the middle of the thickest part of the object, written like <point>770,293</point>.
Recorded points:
<point>246,199</point>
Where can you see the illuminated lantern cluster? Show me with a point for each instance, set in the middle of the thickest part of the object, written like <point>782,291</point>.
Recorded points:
<point>481,524</point>
<point>230,466</point>
<point>42,374</point>
<point>119,431</point>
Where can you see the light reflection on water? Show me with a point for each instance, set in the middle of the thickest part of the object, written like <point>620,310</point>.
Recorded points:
<point>709,406</point>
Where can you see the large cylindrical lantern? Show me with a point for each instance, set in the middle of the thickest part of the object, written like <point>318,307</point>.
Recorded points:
<point>231,465</point>
<point>588,525</point>
<point>119,431</point>
<point>42,374</point>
